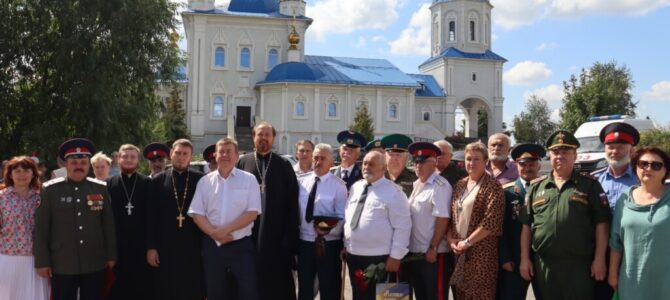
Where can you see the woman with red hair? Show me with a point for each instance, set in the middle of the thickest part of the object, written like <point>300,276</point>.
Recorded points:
<point>19,198</point>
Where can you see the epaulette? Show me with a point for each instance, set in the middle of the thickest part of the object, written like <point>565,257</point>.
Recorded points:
<point>597,172</point>
<point>589,175</point>
<point>53,181</point>
<point>509,185</point>
<point>397,186</point>
<point>543,177</point>
<point>100,182</point>
<point>338,179</point>
<point>439,180</point>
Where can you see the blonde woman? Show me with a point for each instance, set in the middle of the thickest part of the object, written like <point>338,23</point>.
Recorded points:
<point>101,164</point>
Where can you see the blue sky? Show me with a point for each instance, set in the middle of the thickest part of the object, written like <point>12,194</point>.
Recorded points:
<point>544,41</point>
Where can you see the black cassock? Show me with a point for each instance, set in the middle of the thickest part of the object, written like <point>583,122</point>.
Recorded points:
<point>180,272</point>
<point>276,229</point>
<point>133,273</point>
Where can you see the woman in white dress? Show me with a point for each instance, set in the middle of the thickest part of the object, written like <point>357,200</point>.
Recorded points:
<point>19,198</point>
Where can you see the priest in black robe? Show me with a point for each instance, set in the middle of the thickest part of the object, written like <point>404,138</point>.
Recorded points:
<point>129,192</point>
<point>174,241</point>
<point>276,229</point>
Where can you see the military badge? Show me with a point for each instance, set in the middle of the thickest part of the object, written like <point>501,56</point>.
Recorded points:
<point>516,209</point>
<point>603,200</point>
<point>95,202</point>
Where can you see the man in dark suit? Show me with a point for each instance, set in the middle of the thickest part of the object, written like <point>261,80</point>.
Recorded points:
<point>350,149</point>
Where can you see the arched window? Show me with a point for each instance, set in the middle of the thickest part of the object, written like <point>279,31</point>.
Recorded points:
<point>426,116</point>
<point>218,109</point>
<point>472,31</point>
<point>273,58</point>
<point>220,57</point>
<point>300,108</point>
<point>393,111</point>
<point>452,31</point>
<point>332,109</point>
<point>245,58</point>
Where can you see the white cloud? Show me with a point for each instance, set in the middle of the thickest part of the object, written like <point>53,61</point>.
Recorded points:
<point>415,39</point>
<point>547,46</point>
<point>360,43</point>
<point>659,91</point>
<point>510,14</point>
<point>527,73</point>
<point>555,116</point>
<point>378,38</point>
<point>553,93</point>
<point>346,16</point>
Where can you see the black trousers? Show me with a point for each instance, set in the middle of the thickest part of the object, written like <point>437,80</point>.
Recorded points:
<point>89,286</point>
<point>356,263</point>
<point>430,281</point>
<point>328,268</point>
<point>236,259</point>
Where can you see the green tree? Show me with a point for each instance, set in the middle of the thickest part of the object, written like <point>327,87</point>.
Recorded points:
<point>173,121</point>
<point>603,89</point>
<point>659,137</point>
<point>363,123</point>
<point>533,125</point>
<point>482,123</point>
<point>82,69</point>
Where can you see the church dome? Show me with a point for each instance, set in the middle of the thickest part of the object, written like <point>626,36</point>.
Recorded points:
<point>292,71</point>
<point>254,6</point>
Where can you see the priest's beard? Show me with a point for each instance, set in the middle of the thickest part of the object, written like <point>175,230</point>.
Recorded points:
<point>128,171</point>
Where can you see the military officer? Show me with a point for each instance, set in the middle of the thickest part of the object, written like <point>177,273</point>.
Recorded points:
<point>619,139</point>
<point>156,153</point>
<point>510,284</point>
<point>395,146</point>
<point>74,236</point>
<point>350,149</point>
<point>569,216</point>
<point>208,156</point>
<point>375,145</point>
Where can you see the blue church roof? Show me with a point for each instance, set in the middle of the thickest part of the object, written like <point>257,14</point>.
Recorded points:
<point>254,6</point>
<point>340,70</point>
<point>429,86</point>
<point>452,52</point>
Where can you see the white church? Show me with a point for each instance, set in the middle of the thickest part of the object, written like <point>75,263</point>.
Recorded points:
<point>247,63</point>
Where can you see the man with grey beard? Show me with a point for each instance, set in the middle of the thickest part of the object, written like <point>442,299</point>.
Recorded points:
<point>619,139</point>
<point>499,165</point>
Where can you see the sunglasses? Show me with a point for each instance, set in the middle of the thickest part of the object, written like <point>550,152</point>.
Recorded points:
<point>654,165</point>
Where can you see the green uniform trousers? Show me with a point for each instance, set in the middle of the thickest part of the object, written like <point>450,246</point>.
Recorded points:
<point>563,278</point>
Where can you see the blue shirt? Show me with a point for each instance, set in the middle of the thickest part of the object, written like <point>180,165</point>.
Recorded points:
<point>614,186</point>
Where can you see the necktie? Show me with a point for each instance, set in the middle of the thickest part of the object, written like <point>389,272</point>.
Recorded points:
<point>359,207</point>
<point>309,214</point>
<point>346,176</point>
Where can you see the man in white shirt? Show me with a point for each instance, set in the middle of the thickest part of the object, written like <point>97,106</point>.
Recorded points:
<point>378,223</point>
<point>430,207</point>
<point>322,194</point>
<point>224,207</point>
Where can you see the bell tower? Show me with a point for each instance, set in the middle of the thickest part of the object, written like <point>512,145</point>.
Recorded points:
<point>461,24</point>
<point>201,5</point>
<point>292,8</point>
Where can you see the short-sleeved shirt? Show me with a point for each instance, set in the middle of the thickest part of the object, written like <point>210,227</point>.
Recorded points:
<point>222,200</point>
<point>330,200</point>
<point>431,202</point>
<point>509,174</point>
<point>563,220</point>
<point>17,222</point>
<point>614,186</point>
<point>385,223</point>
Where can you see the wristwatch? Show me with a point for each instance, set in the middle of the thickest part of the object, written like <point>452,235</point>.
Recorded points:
<point>467,242</point>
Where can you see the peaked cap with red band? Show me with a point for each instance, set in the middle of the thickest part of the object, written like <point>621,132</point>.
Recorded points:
<point>619,132</point>
<point>208,154</point>
<point>422,150</point>
<point>76,148</point>
<point>156,151</point>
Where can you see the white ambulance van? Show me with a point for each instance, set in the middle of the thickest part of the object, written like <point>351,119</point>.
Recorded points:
<point>591,152</point>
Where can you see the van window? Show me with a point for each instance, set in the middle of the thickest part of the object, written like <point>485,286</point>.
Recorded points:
<point>590,144</point>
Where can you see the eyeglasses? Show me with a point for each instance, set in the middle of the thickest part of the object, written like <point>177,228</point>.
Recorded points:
<point>654,165</point>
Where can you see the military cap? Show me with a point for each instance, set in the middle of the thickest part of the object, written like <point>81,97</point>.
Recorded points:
<point>374,144</point>
<point>76,148</point>
<point>208,153</point>
<point>396,142</point>
<point>619,132</point>
<point>523,152</point>
<point>351,139</point>
<point>562,138</point>
<point>422,150</point>
<point>156,151</point>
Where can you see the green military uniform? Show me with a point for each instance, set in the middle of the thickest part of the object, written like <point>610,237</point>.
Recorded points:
<point>563,224</point>
<point>74,227</point>
<point>399,143</point>
<point>405,180</point>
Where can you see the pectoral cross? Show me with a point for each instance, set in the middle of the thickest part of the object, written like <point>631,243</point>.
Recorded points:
<point>263,187</point>
<point>129,207</point>
<point>180,219</point>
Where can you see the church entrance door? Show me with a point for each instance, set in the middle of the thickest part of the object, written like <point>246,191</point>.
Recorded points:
<point>243,116</point>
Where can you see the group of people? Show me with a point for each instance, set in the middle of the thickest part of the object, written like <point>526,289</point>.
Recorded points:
<point>239,230</point>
